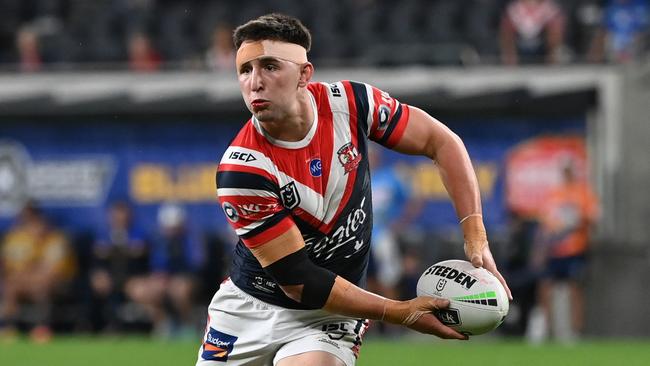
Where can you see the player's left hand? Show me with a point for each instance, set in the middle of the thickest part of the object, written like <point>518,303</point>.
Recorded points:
<point>477,249</point>
<point>490,265</point>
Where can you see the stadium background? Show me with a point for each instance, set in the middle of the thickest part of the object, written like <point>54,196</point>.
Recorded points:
<point>82,129</point>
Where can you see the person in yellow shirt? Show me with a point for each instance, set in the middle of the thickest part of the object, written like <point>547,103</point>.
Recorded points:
<point>37,263</point>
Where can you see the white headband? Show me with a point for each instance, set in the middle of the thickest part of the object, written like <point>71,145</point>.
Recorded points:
<point>251,50</point>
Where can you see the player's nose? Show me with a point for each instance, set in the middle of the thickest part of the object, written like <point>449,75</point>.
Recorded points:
<point>256,80</point>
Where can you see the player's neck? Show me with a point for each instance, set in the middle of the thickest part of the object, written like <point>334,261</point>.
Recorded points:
<point>296,123</point>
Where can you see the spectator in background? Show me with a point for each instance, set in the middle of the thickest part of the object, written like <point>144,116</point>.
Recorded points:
<point>392,211</point>
<point>143,57</point>
<point>412,270</point>
<point>525,278</point>
<point>220,55</point>
<point>28,47</point>
<point>624,29</point>
<point>38,265</point>
<point>532,31</point>
<point>120,265</point>
<point>176,262</point>
<point>565,221</point>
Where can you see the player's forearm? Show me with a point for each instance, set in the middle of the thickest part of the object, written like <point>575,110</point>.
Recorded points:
<point>350,300</point>
<point>460,180</point>
<point>347,299</point>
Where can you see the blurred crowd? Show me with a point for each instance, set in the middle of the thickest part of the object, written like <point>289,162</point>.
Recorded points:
<point>119,279</point>
<point>124,278</point>
<point>150,35</point>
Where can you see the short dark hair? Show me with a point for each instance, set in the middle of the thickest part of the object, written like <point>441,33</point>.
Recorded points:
<point>275,27</point>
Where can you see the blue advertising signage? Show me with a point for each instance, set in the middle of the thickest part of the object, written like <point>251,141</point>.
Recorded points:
<point>75,169</point>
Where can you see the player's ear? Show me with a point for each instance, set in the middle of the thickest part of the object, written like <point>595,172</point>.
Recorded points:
<point>306,72</point>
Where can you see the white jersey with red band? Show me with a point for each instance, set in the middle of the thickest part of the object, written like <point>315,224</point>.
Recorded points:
<point>321,184</point>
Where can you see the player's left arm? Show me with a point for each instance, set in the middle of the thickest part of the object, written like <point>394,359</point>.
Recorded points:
<point>425,135</point>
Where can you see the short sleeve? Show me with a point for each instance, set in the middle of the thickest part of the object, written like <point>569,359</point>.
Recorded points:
<point>385,117</point>
<point>250,200</point>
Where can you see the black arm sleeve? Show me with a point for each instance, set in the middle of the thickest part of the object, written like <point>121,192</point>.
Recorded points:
<point>297,269</point>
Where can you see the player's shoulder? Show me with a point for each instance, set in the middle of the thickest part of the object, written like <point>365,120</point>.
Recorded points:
<point>247,161</point>
<point>337,88</point>
<point>339,95</point>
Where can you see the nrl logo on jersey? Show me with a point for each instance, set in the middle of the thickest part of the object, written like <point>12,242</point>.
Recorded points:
<point>349,157</point>
<point>289,195</point>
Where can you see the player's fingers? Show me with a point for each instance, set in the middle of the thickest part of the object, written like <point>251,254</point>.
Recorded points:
<point>477,260</point>
<point>474,252</point>
<point>438,303</point>
<point>498,275</point>
<point>491,266</point>
<point>429,324</point>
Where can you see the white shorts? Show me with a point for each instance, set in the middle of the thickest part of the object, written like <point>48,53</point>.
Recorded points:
<point>243,330</point>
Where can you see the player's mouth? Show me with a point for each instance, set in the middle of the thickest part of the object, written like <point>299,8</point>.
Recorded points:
<point>258,104</point>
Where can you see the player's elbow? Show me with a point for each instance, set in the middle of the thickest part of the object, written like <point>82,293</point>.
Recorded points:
<point>449,141</point>
<point>301,280</point>
<point>294,292</point>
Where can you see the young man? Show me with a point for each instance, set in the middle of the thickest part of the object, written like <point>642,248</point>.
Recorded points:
<point>295,186</point>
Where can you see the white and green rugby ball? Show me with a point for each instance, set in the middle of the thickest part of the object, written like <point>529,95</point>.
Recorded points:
<point>479,302</point>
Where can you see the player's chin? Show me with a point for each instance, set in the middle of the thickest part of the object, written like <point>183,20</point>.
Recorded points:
<point>263,115</point>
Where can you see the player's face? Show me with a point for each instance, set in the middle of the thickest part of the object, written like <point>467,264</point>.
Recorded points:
<point>270,87</point>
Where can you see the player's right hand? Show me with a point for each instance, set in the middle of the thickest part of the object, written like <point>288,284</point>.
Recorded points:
<point>417,314</point>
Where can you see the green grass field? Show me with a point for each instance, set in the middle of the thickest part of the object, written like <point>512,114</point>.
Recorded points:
<point>78,351</point>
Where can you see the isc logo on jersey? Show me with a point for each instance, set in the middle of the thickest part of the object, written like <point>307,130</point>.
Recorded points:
<point>243,156</point>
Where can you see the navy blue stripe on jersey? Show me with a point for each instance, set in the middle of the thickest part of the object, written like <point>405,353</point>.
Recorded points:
<point>361,101</point>
<point>391,125</point>
<point>268,223</point>
<point>233,179</point>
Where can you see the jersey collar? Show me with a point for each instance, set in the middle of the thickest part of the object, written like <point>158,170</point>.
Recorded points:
<point>292,144</point>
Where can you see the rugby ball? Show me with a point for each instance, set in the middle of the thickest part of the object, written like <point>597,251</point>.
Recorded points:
<point>479,302</point>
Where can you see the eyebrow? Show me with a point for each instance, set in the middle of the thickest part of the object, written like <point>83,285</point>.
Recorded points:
<point>269,59</point>
<point>263,60</point>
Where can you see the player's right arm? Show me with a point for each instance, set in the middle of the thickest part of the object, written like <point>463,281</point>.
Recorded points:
<point>249,196</point>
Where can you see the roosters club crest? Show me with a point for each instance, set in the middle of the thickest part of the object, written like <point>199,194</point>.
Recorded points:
<point>349,157</point>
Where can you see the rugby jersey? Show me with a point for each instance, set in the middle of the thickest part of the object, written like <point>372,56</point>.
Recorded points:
<point>321,184</point>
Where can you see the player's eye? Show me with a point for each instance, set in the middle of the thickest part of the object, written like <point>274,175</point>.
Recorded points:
<point>271,67</point>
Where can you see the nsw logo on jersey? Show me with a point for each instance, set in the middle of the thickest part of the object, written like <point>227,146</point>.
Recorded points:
<point>289,195</point>
<point>349,157</point>
<point>383,115</point>
<point>230,211</point>
<point>217,345</point>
